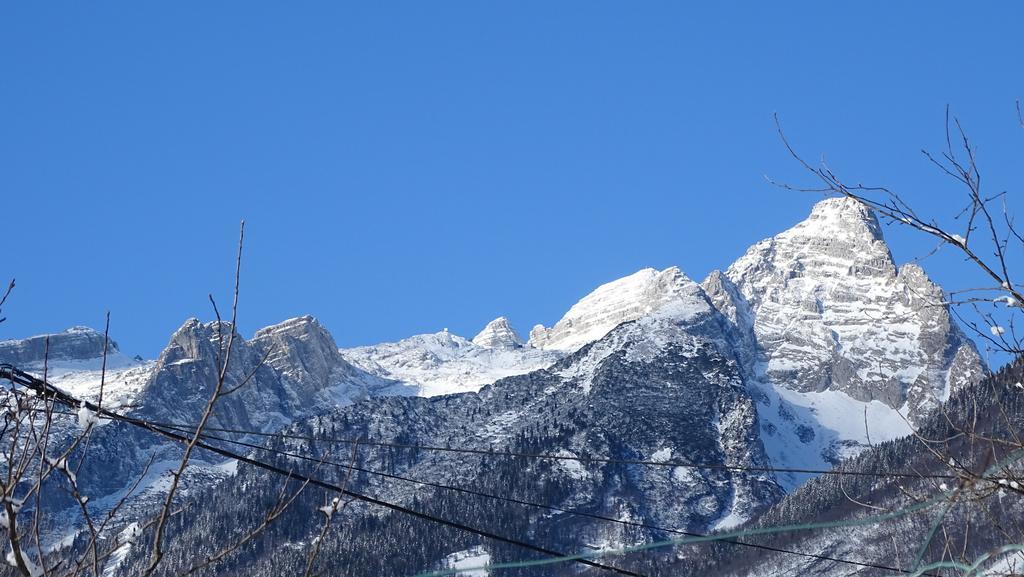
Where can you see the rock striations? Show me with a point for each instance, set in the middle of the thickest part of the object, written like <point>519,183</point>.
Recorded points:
<point>830,310</point>
<point>839,345</point>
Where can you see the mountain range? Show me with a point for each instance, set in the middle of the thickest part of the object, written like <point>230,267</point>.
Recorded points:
<point>803,354</point>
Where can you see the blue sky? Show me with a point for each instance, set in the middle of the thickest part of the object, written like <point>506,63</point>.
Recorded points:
<point>408,166</point>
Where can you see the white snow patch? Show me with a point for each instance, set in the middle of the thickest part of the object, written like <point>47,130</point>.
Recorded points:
<point>1010,564</point>
<point>469,563</point>
<point>443,363</point>
<point>662,455</point>
<point>126,539</point>
<point>802,430</point>
<point>572,468</point>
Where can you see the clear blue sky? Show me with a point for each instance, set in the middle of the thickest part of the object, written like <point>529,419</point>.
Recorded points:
<point>407,166</point>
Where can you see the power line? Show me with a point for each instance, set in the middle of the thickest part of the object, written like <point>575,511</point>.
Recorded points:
<point>551,507</point>
<point>43,388</point>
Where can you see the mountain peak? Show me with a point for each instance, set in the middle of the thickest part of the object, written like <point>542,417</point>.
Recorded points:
<point>645,292</point>
<point>840,215</point>
<point>498,334</point>
<point>841,241</point>
<point>830,310</point>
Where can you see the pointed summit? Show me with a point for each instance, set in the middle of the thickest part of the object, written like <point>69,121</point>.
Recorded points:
<point>830,310</point>
<point>498,334</point>
<point>839,245</point>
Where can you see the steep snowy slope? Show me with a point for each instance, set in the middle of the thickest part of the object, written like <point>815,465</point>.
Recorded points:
<point>639,294</point>
<point>443,363</point>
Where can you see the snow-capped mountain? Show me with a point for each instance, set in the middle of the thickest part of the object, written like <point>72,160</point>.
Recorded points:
<point>289,370</point>
<point>840,346</point>
<point>283,373</point>
<point>443,363</point>
<point>75,345</point>
<point>637,295</point>
<point>830,310</point>
<point>498,334</point>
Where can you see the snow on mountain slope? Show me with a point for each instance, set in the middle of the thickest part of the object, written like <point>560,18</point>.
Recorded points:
<point>73,361</point>
<point>443,363</point>
<point>626,299</point>
<point>839,345</point>
<point>468,560</point>
<point>76,346</point>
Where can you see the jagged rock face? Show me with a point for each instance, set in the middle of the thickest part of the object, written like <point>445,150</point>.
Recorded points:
<point>74,344</point>
<point>727,300</point>
<point>286,371</point>
<point>443,363</point>
<point>301,349</point>
<point>829,309</point>
<point>312,368</point>
<point>640,294</point>
<point>498,334</point>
